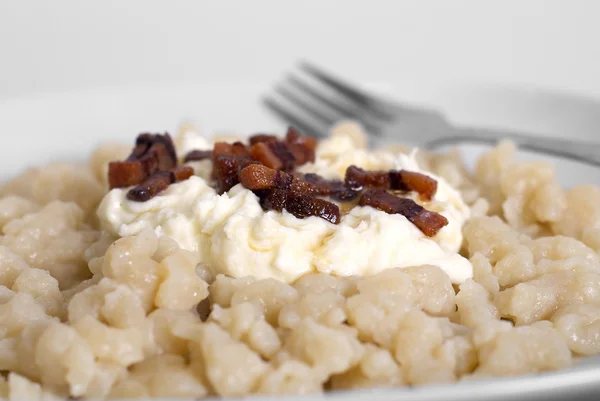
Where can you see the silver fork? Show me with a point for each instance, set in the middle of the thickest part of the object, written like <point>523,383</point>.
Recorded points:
<point>315,100</point>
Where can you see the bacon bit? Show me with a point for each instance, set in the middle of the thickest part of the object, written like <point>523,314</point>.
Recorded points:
<point>424,185</point>
<point>254,139</point>
<point>226,169</point>
<point>158,182</point>
<point>125,174</point>
<point>236,150</point>
<point>257,177</point>
<point>273,199</point>
<point>152,153</point>
<point>357,178</point>
<point>152,139</point>
<point>151,187</point>
<point>333,188</point>
<point>182,173</point>
<point>262,153</point>
<point>198,155</point>
<point>230,149</point>
<point>428,222</point>
<point>299,205</point>
<point>283,153</point>
<point>302,147</point>
<point>305,205</point>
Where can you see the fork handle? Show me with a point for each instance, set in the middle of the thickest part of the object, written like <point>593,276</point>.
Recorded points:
<point>588,152</point>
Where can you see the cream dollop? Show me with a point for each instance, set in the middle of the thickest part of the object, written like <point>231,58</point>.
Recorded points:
<point>234,236</point>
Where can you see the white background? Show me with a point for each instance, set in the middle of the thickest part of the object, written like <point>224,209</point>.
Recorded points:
<point>66,45</point>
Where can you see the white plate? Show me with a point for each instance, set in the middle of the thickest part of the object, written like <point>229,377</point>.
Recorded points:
<point>43,128</point>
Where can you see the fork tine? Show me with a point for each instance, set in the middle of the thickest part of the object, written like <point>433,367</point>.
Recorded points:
<point>309,106</point>
<point>364,99</point>
<point>357,95</point>
<point>294,118</point>
<point>343,109</point>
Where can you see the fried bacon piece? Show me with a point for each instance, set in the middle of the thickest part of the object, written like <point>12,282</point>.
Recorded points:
<point>294,150</point>
<point>152,153</point>
<point>230,149</point>
<point>306,205</point>
<point>228,159</point>
<point>273,199</point>
<point>158,182</point>
<point>254,139</point>
<point>274,155</point>
<point>258,177</point>
<point>182,173</point>
<point>198,155</point>
<point>336,189</point>
<point>299,205</point>
<point>428,222</point>
<point>226,169</point>
<point>357,178</point>
<point>302,147</point>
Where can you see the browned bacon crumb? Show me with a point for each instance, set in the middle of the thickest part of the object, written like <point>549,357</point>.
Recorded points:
<point>154,140</point>
<point>151,187</point>
<point>226,169</point>
<point>228,159</point>
<point>150,168</point>
<point>152,153</point>
<point>182,173</point>
<point>428,222</point>
<point>262,153</point>
<point>274,154</point>
<point>336,189</point>
<point>299,205</point>
<point>257,177</point>
<point>198,155</point>
<point>302,147</point>
<point>122,174</point>
<point>273,199</point>
<point>230,149</point>
<point>306,205</point>
<point>158,182</point>
<point>402,180</point>
<point>254,139</point>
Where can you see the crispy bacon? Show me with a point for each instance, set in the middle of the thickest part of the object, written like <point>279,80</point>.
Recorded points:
<point>300,205</point>
<point>264,155</point>
<point>158,182</point>
<point>230,149</point>
<point>151,187</point>
<point>254,139</point>
<point>228,160</point>
<point>306,205</point>
<point>122,174</point>
<point>273,154</point>
<point>402,180</point>
<point>302,147</point>
<point>226,169</point>
<point>182,173</point>
<point>152,153</point>
<point>428,222</point>
<point>336,189</point>
<point>258,177</point>
<point>198,155</point>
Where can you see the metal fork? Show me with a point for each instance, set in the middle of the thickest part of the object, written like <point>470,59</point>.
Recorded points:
<point>314,100</point>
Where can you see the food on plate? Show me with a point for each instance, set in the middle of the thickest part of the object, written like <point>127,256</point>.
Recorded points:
<point>197,266</point>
